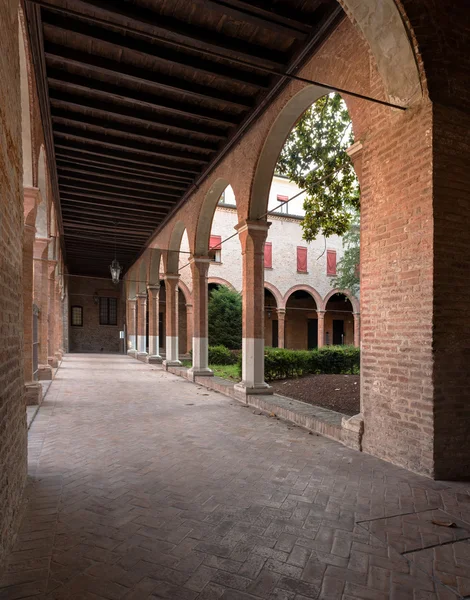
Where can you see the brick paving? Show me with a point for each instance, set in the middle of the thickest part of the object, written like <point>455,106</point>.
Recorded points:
<point>145,486</point>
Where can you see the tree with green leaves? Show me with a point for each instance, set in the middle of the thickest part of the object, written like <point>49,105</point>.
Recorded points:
<point>315,158</point>
<point>225,318</point>
<point>347,277</point>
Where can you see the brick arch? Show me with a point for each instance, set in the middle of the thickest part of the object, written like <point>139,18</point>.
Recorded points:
<point>42,216</point>
<point>130,284</point>
<point>186,293</point>
<point>171,256</point>
<point>276,293</point>
<point>305,288</point>
<point>354,301</point>
<point>206,215</point>
<point>142,273</point>
<point>220,281</point>
<point>154,266</point>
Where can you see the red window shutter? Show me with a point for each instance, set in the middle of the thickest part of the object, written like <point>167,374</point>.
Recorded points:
<point>281,198</point>
<point>331,262</point>
<point>301,259</point>
<point>268,255</point>
<point>215,242</point>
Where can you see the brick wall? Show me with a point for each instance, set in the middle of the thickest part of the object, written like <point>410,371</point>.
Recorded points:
<point>93,337</point>
<point>13,463</point>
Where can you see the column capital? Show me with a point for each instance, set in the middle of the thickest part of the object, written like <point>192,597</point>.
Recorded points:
<point>199,260</point>
<point>171,276</point>
<point>321,313</point>
<point>247,225</point>
<point>153,287</point>
<point>281,312</point>
<point>141,296</point>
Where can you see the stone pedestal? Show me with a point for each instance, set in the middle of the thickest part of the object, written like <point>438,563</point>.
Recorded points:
<point>33,393</point>
<point>44,372</point>
<point>352,429</point>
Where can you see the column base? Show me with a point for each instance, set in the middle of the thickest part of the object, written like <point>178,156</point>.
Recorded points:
<point>352,430</point>
<point>58,355</point>
<point>171,363</point>
<point>132,352</point>
<point>44,372</point>
<point>142,356</point>
<point>194,372</point>
<point>33,393</point>
<point>154,359</point>
<point>52,360</point>
<point>242,390</point>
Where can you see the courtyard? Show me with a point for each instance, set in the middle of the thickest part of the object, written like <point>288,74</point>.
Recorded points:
<point>144,485</point>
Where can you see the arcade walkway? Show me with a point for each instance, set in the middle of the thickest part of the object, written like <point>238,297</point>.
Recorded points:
<point>144,485</point>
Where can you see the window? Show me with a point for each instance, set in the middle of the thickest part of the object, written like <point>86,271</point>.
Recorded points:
<point>215,248</point>
<point>108,311</point>
<point>331,262</point>
<point>76,316</point>
<point>268,255</point>
<point>283,208</point>
<point>301,259</point>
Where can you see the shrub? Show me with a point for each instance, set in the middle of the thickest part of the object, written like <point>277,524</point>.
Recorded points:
<point>220,355</point>
<point>280,363</point>
<point>225,318</point>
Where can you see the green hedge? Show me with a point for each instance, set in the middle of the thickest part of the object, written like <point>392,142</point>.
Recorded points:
<point>280,363</point>
<point>221,355</point>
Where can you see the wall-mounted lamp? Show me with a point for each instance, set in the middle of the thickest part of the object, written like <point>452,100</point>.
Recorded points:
<point>269,313</point>
<point>96,298</point>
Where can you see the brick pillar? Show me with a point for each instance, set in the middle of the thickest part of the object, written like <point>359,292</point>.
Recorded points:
<point>357,329</point>
<point>199,269</point>
<point>52,316</point>
<point>41,299</point>
<point>252,237</point>
<point>281,327</point>
<point>321,328</point>
<point>131,326</point>
<point>58,322</point>
<point>33,392</point>
<point>154,334</point>
<point>171,345</point>
<point>142,326</point>
<point>189,325</point>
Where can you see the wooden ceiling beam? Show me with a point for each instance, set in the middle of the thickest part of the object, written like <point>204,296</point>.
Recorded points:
<point>101,241</point>
<point>127,162</point>
<point>74,193</point>
<point>170,31</point>
<point>114,230</point>
<point>107,214</point>
<point>102,139</point>
<point>102,189</point>
<point>57,55</point>
<point>96,221</point>
<point>130,131</point>
<point>119,112</point>
<point>92,180</point>
<point>67,201</point>
<point>99,174</point>
<point>80,86</point>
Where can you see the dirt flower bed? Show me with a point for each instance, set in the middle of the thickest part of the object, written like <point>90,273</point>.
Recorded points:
<point>336,392</point>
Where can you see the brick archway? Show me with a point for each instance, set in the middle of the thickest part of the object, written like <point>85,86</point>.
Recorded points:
<point>280,304</point>
<point>354,301</point>
<point>206,215</point>
<point>220,281</point>
<point>310,290</point>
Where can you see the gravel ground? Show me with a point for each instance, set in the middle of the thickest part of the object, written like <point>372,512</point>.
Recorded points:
<point>336,392</point>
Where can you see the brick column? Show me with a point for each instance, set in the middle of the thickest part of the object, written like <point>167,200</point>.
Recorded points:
<point>357,329</point>
<point>281,327</point>
<point>41,299</point>
<point>189,325</point>
<point>171,345</point>
<point>59,322</point>
<point>131,326</point>
<point>154,334</point>
<point>33,392</point>
<point>52,316</point>
<point>252,237</point>
<point>321,328</point>
<point>142,326</point>
<point>199,269</point>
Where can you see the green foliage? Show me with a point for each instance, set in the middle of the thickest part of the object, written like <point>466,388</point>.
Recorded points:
<point>280,363</point>
<point>347,277</point>
<point>225,318</point>
<point>314,157</point>
<point>220,355</point>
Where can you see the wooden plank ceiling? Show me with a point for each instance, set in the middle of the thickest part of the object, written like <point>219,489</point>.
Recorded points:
<point>142,98</point>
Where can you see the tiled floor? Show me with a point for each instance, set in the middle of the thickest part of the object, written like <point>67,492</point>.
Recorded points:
<point>144,485</point>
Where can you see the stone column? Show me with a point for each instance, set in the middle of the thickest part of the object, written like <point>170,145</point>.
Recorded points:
<point>33,391</point>
<point>189,325</point>
<point>51,358</point>
<point>142,326</point>
<point>252,237</point>
<point>171,293</point>
<point>281,327</point>
<point>357,329</point>
<point>59,323</point>
<point>131,326</point>
<point>321,328</point>
<point>199,269</point>
<point>41,298</point>
<point>154,318</point>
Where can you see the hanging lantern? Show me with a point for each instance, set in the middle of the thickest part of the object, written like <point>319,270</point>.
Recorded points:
<point>115,269</point>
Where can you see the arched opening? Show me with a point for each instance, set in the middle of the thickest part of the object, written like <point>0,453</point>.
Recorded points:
<point>184,341</point>
<point>26,133</point>
<point>301,328</point>
<point>339,320</point>
<point>271,322</point>
<point>42,212</point>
